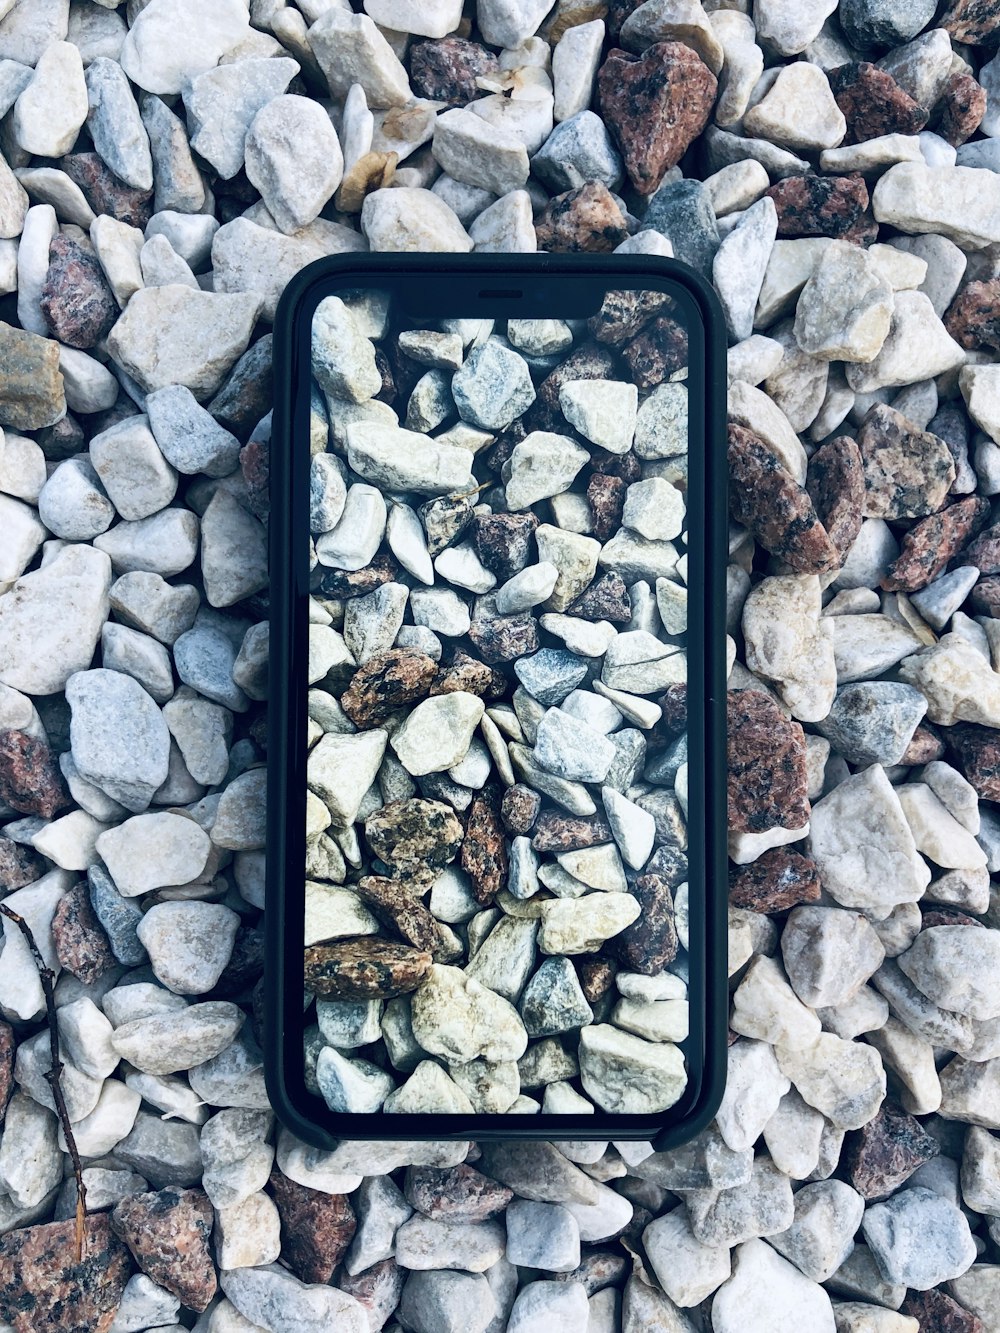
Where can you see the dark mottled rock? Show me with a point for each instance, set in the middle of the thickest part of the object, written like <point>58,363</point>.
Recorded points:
<point>657,352</point>
<point>454,1194</point>
<point>824,206</point>
<point>618,12</point>
<point>933,542</point>
<point>947,916</point>
<point>316,1228</point>
<point>414,832</point>
<point>670,863</point>
<point>558,832</point>
<point>767,765</point>
<point>81,945</point>
<point>66,438</point>
<point>767,500</point>
<point>43,1289</point>
<point>596,976</point>
<point>245,966</point>
<point>78,305</point>
<point>506,442</point>
<point>470,676</point>
<point>377,1288</point>
<point>502,638</point>
<point>977,752</point>
<point>30,780</point>
<point>105,193</point>
<point>972,21</point>
<point>606,599</point>
<point>484,851</point>
<point>366,968</point>
<point>626,466</point>
<point>591,361</point>
<point>255,465</point>
<point>386,682</point>
<point>882,23</point>
<point>836,486</point>
<point>623,313</point>
<point>446,70</point>
<point>346,583</point>
<point>606,497</point>
<point>519,809</point>
<point>985,597</point>
<point>776,881</point>
<point>884,1153</point>
<point>873,102</point>
<point>655,105</point>
<point>168,1232</point>
<point>445,519</point>
<point>396,905</point>
<point>8,1048</point>
<point>504,542</point>
<point>119,916</point>
<point>585,219</point>
<point>925,746</point>
<point>673,701</point>
<point>31,387</point>
<point>650,942</point>
<point>973,318</point>
<point>248,393</point>
<point>939,1313</point>
<point>960,109</point>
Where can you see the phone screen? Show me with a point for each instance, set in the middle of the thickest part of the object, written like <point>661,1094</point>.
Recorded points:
<point>501,547</point>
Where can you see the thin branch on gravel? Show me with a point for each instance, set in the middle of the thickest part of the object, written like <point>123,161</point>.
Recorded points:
<point>47,977</point>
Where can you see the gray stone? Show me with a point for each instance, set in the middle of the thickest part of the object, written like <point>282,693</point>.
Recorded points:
<point>872,722</point>
<point>919,1239</point>
<point>682,211</point>
<point>739,265</point>
<point>553,1001</point>
<point>118,736</point>
<point>493,387</point>
<point>447,1301</point>
<point>115,125</point>
<point>578,150</point>
<point>188,436</point>
<point>222,103</point>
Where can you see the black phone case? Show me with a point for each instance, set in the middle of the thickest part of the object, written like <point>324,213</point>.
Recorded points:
<point>493,285</point>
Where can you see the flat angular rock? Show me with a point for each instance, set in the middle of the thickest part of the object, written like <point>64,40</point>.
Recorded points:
<point>364,969</point>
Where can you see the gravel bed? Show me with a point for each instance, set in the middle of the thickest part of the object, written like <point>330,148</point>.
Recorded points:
<point>165,168</point>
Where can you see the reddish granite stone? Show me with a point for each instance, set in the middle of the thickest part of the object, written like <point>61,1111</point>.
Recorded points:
<point>366,968</point>
<point>937,1312</point>
<point>769,502</point>
<point>627,466</point>
<point>776,881</point>
<point>972,21</point>
<point>408,833</point>
<point>8,1048</point>
<point>484,851</point>
<point>961,108</point>
<point>30,780</point>
<point>78,305</point>
<point>977,751</point>
<point>947,916</point>
<point>624,312</point>
<point>654,354</point>
<point>606,599</point>
<point>248,393</point>
<point>168,1232</point>
<point>316,1228</point>
<point>673,701</point>
<point>255,464</point>
<point>908,472</point>
<point>606,496</point>
<point>836,485</point>
<point>42,1288</point>
<point>19,865</point>
<point>650,942</point>
<point>596,976</point>
<point>973,318</point>
<point>925,746</point>
<point>768,786</point>
<point>343,583</point>
<point>386,682</point>
<point>824,206</point>
<point>470,676</point>
<point>502,638</point>
<point>378,1289</point>
<point>455,1194</point>
<point>655,105</point>
<point>582,220</point>
<point>446,70</point>
<point>519,809</point>
<point>985,597</point>
<point>931,544</point>
<point>81,945</point>
<point>559,832</point>
<point>504,542</point>
<point>105,193</point>
<point>884,1153</point>
<point>397,906</point>
<point>873,102</point>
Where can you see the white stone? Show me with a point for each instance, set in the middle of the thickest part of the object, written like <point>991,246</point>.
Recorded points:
<point>580,926</point>
<point>751,407</point>
<point>353,542</point>
<point>654,509</point>
<point>765,1007</point>
<point>50,112</point>
<point>755,1086</point>
<point>845,310</point>
<point>962,204</point>
<point>633,828</point>
<point>844,1080</point>
<point>624,1074</point>
<point>411,219</point>
<point>405,460</point>
<point>798,110</point>
<point>293,157</point>
<point>980,386</point>
<point>767,1294</point>
<point>788,643</point>
<point>917,347</point>
<point>158,53</point>
<point>350,49</point>
<point>341,769</point>
<point>603,411</point>
<point>189,943</point>
<point>21,995</point>
<point>575,59</point>
<point>957,682</point>
<point>436,735</point>
<point>153,851</point>
<point>506,226</point>
<point>456,1017</point>
<point>542,464</point>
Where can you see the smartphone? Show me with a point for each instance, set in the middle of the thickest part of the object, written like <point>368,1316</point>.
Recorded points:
<point>496,860</point>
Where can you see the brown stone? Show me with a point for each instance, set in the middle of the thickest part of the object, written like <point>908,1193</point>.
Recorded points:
<point>19,865</point>
<point>605,599</point>
<point>596,975</point>
<point>168,1232</point>
<point>873,102</point>
<point>30,780</point>
<point>78,305</point>
<point>908,471</point>
<point>519,809</point>
<point>769,502</point>
<point>558,832</point>
<point>606,497</point>
<point>470,676</point>
<point>414,832</point>
<point>445,519</point>
<point>973,318</point>
<point>824,206</point>
<point>397,906</point>
<point>972,21</point>
<point>985,597</point>
<point>591,361</point>
<point>618,12</point>
<point>504,542</point>
<point>670,863</point>
<point>346,583</point>
<point>656,353</point>
<point>937,1312</point>
<point>650,942</point>
<point>502,638</point>
<point>768,784</point>
<point>454,1194</point>
<point>248,393</point>
<point>316,1228</point>
<point>623,313</point>
<point>245,966</point>
<point>506,442</point>
<point>8,1049</point>
<point>32,394</point>
<point>884,1153</point>
<point>105,193</point>
<point>836,486</point>
<point>977,752</point>
<point>960,109</point>
<point>378,1289</point>
<point>947,916</point>
<point>585,219</point>
<point>81,945</point>
<point>446,70</point>
<point>776,881</point>
<point>673,701</point>
<point>655,105</point>
<point>366,968</point>
<point>626,466</point>
<point>255,465</point>
<point>925,746</point>
<point>931,544</point>
<point>386,682</point>
<point>484,851</point>
<point>42,1288</point>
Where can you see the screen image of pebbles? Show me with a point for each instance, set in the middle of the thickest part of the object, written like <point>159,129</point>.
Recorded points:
<point>496,898</point>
